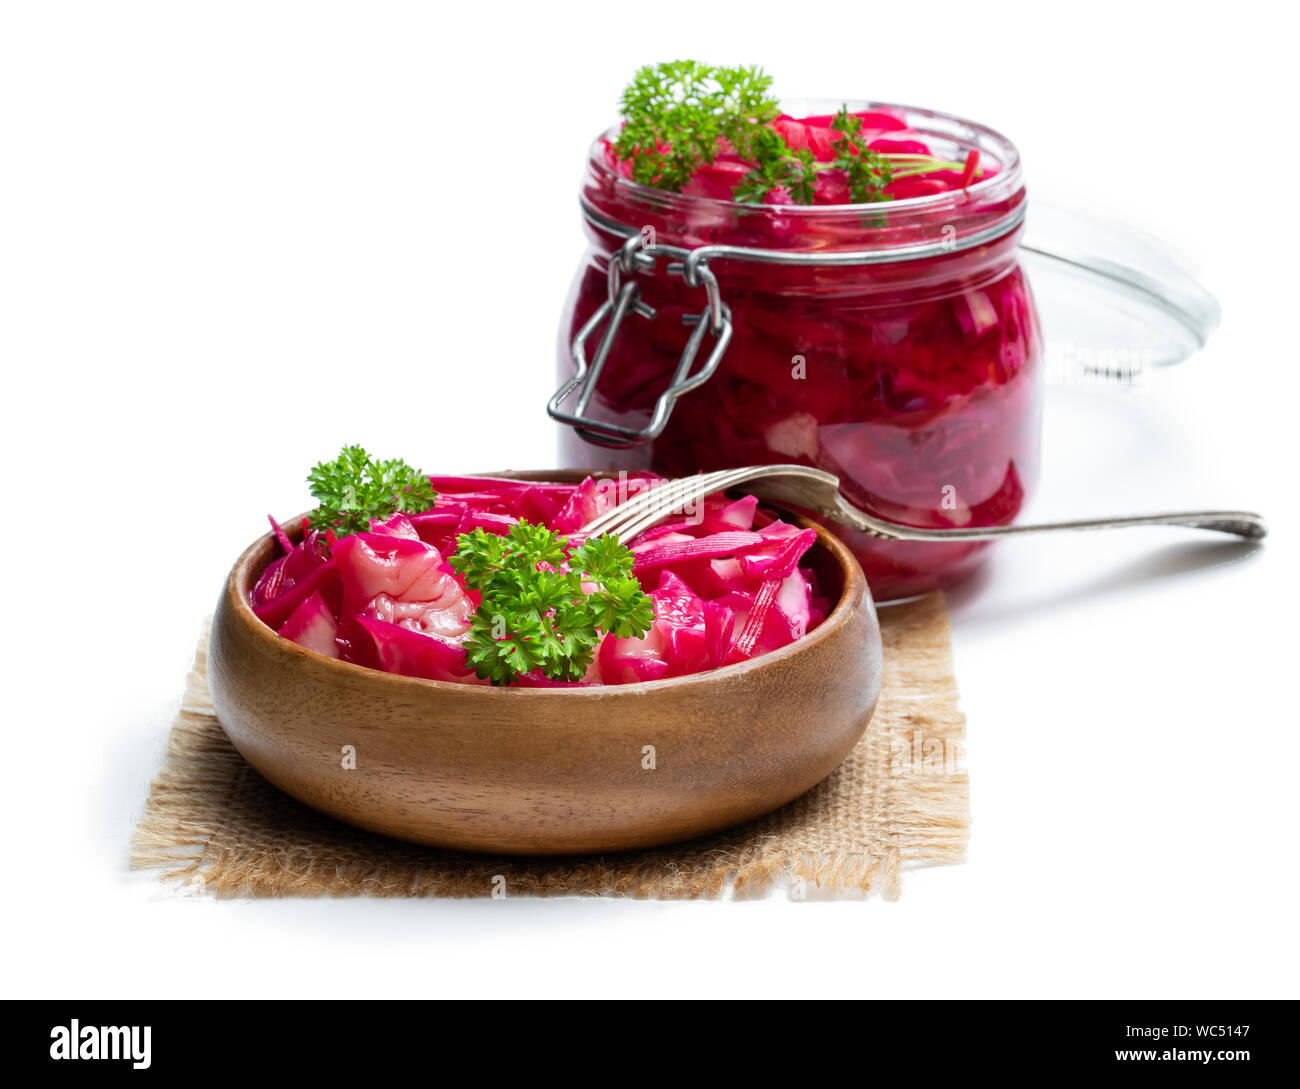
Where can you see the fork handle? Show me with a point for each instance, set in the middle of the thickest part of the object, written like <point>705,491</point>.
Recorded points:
<point>791,485</point>
<point>1239,523</point>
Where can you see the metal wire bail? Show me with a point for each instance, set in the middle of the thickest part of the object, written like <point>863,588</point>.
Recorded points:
<point>624,294</point>
<point>692,265</point>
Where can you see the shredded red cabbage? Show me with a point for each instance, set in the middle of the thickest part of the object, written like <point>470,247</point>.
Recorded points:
<point>915,382</point>
<point>725,579</point>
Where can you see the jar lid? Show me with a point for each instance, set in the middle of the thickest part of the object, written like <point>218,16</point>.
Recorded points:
<point>1115,302</point>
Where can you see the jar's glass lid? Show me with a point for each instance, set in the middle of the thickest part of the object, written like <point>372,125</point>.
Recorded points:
<point>1115,302</point>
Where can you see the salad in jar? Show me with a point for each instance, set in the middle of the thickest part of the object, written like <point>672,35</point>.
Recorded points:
<point>856,267</point>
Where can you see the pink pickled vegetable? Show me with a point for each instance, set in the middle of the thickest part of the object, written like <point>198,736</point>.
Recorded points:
<point>763,600</point>
<point>313,626</point>
<point>402,581</point>
<point>399,649</point>
<point>723,577</point>
<point>915,169</point>
<point>916,382</point>
<point>663,551</point>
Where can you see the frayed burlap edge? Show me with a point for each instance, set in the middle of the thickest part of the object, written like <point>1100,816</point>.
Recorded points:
<point>900,800</point>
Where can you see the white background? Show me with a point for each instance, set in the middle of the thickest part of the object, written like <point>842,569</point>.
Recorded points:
<point>235,236</point>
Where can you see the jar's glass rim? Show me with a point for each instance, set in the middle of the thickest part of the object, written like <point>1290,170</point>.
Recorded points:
<point>935,124</point>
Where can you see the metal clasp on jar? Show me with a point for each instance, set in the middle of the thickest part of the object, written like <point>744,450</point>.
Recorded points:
<point>634,257</point>
<point>692,265</point>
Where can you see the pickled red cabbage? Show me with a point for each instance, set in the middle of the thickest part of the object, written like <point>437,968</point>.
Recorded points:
<point>915,381</point>
<point>725,580</point>
<point>917,172</point>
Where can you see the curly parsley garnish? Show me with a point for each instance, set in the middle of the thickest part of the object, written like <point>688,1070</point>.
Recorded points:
<point>536,616</point>
<point>678,116</point>
<point>867,171</point>
<point>777,166</point>
<point>353,489</point>
<point>676,113</point>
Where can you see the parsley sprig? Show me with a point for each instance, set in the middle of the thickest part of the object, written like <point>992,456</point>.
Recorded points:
<point>535,615</point>
<point>679,115</point>
<point>778,166</point>
<point>354,488</point>
<point>867,171</point>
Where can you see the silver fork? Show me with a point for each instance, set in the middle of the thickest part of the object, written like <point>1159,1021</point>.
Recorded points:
<point>819,492</point>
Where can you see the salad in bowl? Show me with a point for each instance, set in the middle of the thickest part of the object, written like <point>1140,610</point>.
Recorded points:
<point>451,661</point>
<point>492,581</point>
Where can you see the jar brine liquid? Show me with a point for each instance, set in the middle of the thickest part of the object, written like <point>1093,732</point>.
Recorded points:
<point>914,374</point>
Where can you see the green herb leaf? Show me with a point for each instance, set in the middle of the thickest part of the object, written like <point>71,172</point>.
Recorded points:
<point>677,117</point>
<point>535,614</point>
<point>353,489</point>
<point>617,600</point>
<point>777,166</point>
<point>867,171</point>
<point>676,113</point>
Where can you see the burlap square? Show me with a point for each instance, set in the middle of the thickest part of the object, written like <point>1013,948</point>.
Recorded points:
<point>901,799</point>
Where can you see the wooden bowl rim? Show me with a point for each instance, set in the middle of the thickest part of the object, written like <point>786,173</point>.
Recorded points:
<point>854,595</point>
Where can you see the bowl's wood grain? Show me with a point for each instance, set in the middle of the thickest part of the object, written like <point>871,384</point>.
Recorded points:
<point>547,771</point>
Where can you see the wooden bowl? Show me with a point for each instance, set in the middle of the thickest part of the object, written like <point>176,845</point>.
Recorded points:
<point>548,771</point>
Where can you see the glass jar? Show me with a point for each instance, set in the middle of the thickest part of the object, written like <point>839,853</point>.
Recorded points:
<point>894,344</point>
